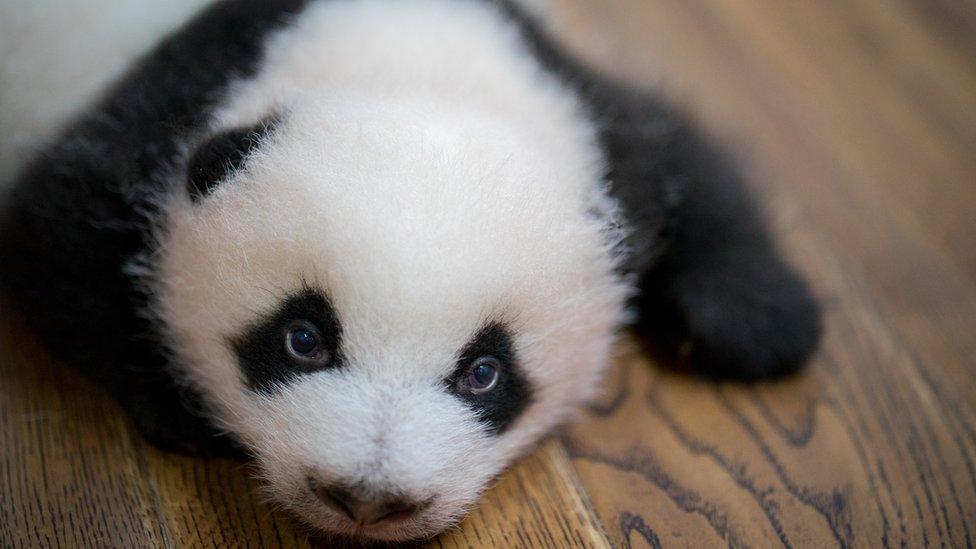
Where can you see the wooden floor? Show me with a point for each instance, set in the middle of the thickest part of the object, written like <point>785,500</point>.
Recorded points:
<point>858,120</point>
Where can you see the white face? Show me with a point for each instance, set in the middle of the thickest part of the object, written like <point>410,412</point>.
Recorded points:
<point>389,303</point>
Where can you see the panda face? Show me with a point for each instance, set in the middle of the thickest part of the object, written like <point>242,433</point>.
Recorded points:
<point>387,302</point>
<point>390,438</point>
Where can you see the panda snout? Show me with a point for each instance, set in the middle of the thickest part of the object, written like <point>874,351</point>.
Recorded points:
<point>364,507</point>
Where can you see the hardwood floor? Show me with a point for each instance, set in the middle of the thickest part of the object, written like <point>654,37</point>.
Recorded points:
<point>857,121</point>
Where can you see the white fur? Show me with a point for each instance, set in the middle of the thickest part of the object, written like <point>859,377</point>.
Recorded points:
<point>57,55</point>
<point>430,177</point>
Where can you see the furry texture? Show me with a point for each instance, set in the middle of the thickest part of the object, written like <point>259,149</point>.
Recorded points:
<point>219,157</point>
<point>435,167</point>
<point>715,294</point>
<point>57,56</point>
<point>262,354</point>
<point>497,408</point>
<point>405,198</point>
<point>78,214</point>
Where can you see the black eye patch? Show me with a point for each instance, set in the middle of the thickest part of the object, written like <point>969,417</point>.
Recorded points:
<point>266,349</point>
<point>215,159</point>
<point>511,393</point>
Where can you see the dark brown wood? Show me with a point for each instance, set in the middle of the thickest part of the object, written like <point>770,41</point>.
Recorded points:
<point>858,122</point>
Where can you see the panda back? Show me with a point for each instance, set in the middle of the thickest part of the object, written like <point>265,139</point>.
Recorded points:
<point>56,56</point>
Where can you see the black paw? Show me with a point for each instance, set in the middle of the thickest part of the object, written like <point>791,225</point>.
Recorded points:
<point>749,323</point>
<point>167,425</point>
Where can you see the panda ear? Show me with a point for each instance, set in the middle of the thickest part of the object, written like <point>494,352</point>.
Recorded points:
<point>221,155</point>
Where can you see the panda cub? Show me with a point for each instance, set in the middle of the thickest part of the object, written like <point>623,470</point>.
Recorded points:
<point>382,246</point>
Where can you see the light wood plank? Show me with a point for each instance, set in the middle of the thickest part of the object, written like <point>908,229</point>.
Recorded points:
<point>539,503</point>
<point>215,503</point>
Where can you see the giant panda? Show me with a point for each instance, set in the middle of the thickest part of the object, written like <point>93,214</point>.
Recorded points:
<point>379,246</point>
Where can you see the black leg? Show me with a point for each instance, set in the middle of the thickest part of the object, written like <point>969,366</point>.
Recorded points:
<point>172,419</point>
<point>715,292</point>
<point>714,289</point>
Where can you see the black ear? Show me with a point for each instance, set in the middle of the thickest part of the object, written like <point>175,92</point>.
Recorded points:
<point>221,155</point>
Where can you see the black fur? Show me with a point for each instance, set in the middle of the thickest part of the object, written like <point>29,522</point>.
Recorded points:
<point>219,157</point>
<point>71,223</point>
<point>75,218</point>
<point>499,407</point>
<point>261,351</point>
<point>714,291</point>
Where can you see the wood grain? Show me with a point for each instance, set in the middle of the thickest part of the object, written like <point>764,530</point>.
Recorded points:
<point>858,120</point>
<point>69,468</point>
<point>539,503</point>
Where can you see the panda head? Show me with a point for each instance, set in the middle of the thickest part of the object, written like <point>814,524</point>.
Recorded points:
<point>386,302</point>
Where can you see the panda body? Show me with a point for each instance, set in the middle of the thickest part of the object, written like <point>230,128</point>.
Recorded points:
<point>385,246</point>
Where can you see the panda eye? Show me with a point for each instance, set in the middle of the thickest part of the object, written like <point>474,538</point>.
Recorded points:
<point>304,342</point>
<point>482,375</point>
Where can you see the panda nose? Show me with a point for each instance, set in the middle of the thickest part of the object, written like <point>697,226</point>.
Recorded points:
<point>361,509</point>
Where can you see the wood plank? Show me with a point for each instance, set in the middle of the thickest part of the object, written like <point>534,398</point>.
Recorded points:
<point>215,503</point>
<point>808,140</point>
<point>917,286</point>
<point>856,452</point>
<point>800,89</point>
<point>539,503</point>
<point>882,100</point>
<point>878,440</point>
<point>69,473</point>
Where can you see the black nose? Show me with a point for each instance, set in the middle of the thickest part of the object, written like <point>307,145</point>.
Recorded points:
<point>363,509</point>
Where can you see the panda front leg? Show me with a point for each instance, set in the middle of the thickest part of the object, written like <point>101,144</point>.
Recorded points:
<point>172,418</point>
<point>715,293</point>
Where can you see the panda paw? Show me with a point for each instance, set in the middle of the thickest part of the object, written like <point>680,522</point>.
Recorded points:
<point>746,325</point>
<point>170,427</point>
